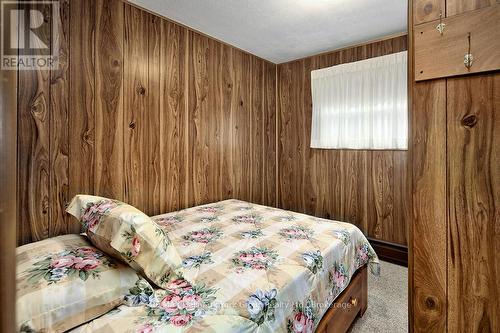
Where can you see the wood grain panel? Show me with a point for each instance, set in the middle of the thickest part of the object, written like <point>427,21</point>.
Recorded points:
<point>109,152</point>
<point>59,126</point>
<point>428,10</point>
<point>173,114</point>
<point>256,129</point>
<point>429,206</point>
<point>153,116</point>
<point>307,154</point>
<point>34,149</point>
<point>401,189</point>
<point>81,114</point>
<point>378,182</point>
<point>351,187</point>
<point>228,100</point>
<point>366,188</point>
<point>240,134</point>
<point>284,134</point>
<point>142,110</point>
<point>269,133</point>
<point>455,163</point>
<point>455,7</point>
<point>438,56</point>
<point>474,214</point>
<point>389,231</point>
<point>213,120</point>
<point>136,90</point>
<point>201,141</point>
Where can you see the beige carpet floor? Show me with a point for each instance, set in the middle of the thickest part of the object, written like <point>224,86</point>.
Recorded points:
<point>387,302</point>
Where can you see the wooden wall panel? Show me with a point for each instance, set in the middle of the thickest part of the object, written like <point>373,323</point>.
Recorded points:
<point>141,110</point>
<point>304,101</point>
<point>402,188</point>
<point>428,10</point>
<point>439,56</point>
<point>367,188</point>
<point>455,7</point>
<point>154,140</point>
<point>284,102</point>
<point>81,114</point>
<point>269,133</point>
<point>429,206</point>
<point>109,130</point>
<point>34,150</point>
<point>474,214</point>
<point>165,118</point>
<point>173,113</point>
<point>228,100</point>
<point>455,140</point>
<point>58,122</point>
<point>256,129</point>
<point>240,134</point>
<point>215,119</point>
<point>135,108</point>
<point>202,138</point>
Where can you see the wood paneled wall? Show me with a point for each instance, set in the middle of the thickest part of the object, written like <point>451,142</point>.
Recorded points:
<point>141,110</point>
<point>149,112</point>
<point>455,153</point>
<point>367,188</point>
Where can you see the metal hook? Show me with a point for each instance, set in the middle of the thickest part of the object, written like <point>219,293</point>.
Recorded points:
<point>468,58</point>
<point>441,25</point>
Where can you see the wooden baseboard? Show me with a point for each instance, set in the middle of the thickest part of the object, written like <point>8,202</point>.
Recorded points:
<point>393,253</point>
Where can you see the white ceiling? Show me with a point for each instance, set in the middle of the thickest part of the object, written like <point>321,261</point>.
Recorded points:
<point>283,30</point>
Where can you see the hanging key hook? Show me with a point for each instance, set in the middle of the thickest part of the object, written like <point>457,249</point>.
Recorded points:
<point>441,25</point>
<point>468,58</point>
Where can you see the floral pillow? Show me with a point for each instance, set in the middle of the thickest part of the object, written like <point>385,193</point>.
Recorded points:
<point>128,234</point>
<point>64,282</point>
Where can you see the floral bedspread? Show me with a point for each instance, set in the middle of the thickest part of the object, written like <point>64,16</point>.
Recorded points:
<point>246,268</point>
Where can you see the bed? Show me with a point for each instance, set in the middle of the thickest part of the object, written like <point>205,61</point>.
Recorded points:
<point>252,268</point>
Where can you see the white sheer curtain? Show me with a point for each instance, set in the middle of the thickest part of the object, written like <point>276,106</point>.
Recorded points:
<point>361,105</point>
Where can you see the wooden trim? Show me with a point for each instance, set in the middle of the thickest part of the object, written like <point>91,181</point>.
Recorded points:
<point>409,167</point>
<point>277,197</point>
<point>393,253</point>
<point>348,306</point>
<point>8,198</point>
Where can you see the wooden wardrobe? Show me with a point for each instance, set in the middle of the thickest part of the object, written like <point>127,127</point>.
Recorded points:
<point>455,154</point>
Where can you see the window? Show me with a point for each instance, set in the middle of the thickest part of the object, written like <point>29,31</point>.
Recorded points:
<point>361,105</point>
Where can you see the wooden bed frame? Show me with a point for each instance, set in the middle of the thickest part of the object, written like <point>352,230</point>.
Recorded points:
<point>350,304</point>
